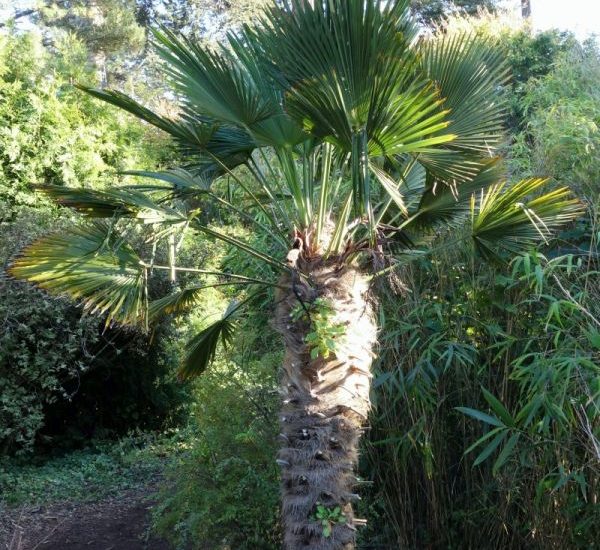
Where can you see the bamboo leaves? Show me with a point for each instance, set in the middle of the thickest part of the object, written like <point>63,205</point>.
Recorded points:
<point>504,427</point>
<point>482,417</point>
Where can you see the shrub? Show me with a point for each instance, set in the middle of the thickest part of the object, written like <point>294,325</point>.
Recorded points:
<point>223,492</point>
<point>52,133</point>
<point>65,377</point>
<point>564,121</point>
<point>486,420</point>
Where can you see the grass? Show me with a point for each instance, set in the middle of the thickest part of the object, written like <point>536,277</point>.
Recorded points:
<point>101,469</point>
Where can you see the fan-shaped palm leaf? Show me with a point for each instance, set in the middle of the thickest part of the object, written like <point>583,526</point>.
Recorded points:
<point>509,220</point>
<point>445,203</point>
<point>214,84</point>
<point>347,67</point>
<point>202,348</point>
<point>469,71</point>
<point>114,203</point>
<point>91,264</point>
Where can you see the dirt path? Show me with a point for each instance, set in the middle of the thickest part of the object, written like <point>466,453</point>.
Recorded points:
<point>116,523</point>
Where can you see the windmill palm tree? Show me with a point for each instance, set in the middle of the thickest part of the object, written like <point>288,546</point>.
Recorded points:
<point>350,144</point>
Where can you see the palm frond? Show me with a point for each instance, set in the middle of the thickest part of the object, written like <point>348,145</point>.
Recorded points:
<point>240,245</point>
<point>507,219</point>
<point>448,203</point>
<point>412,178</point>
<point>91,264</point>
<point>113,203</point>
<point>134,204</point>
<point>195,135</point>
<point>202,348</point>
<point>214,83</point>
<point>469,72</point>
<point>391,187</point>
<point>184,300</point>
<point>411,123</point>
<point>347,66</point>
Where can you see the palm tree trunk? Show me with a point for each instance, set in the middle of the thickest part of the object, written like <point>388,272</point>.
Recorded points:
<point>326,403</point>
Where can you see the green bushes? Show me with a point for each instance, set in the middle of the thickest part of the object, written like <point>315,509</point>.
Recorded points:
<point>530,57</point>
<point>564,122</point>
<point>487,407</point>
<point>50,132</point>
<point>223,492</point>
<point>42,344</point>
<point>63,377</point>
<point>487,418</point>
<point>35,358</point>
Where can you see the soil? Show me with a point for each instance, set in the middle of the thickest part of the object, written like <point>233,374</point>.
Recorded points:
<point>120,522</point>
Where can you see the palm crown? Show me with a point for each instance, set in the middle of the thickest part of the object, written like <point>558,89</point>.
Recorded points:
<point>357,133</point>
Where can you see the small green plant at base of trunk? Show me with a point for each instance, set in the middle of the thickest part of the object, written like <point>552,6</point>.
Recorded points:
<point>328,517</point>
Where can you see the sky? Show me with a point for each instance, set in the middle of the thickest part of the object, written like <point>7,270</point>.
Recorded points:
<point>580,16</point>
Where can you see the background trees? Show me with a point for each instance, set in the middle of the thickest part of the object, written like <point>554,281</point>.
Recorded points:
<point>431,12</point>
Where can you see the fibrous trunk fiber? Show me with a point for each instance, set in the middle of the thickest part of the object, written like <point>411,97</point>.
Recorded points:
<point>325,405</point>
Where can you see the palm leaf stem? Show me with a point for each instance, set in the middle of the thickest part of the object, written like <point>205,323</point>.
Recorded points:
<point>240,245</point>
<point>301,200</point>
<point>334,198</point>
<point>390,200</point>
<point>323,191</point>
<point>278,236</point>
<point>247,190</point>
<point>360,175</point>
<point>215,273</point>
<point>341,228</point>
<point>260,177</point>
